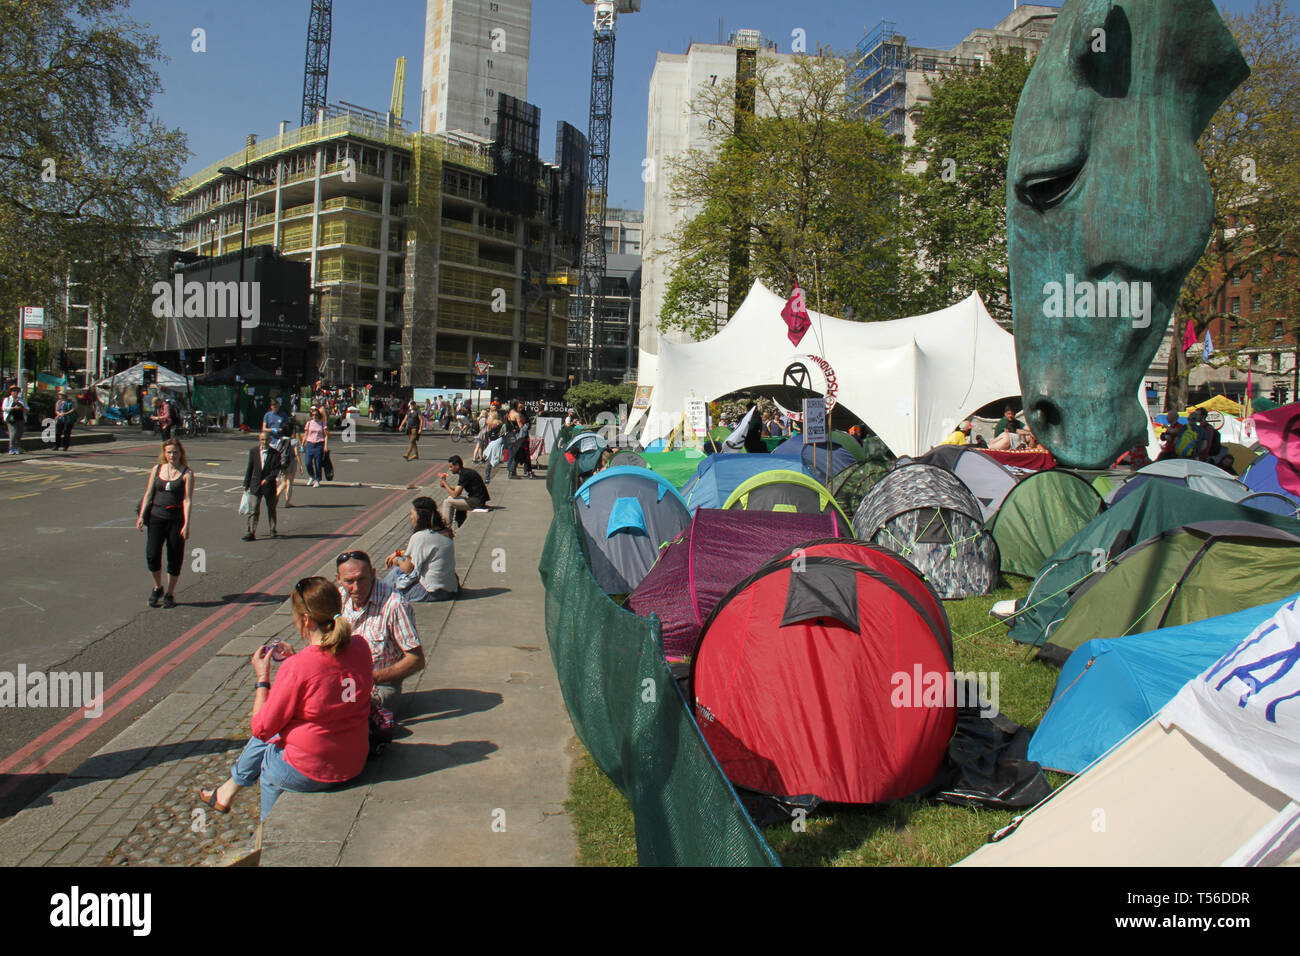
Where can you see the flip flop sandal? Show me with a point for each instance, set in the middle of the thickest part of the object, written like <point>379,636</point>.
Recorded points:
<point>211,800</point>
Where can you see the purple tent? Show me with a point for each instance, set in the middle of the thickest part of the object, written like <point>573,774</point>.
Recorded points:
<point>719,550</point>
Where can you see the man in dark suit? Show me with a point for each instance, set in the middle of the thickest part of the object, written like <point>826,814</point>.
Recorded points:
<point>260,478</point>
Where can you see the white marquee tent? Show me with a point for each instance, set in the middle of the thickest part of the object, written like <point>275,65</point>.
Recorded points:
<point>135,376</point>
<point>912,380</point>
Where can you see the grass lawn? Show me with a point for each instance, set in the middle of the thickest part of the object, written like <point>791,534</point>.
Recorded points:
<point>898,834</point>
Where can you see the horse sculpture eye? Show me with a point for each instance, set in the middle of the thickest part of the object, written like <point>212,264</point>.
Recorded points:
<point>1042,192</point>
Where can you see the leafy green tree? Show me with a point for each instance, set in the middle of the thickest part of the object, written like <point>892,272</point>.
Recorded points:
<point>958,207</point>
<point>1251,151</point>
<point>589,399</point>
<point>85,169</point>
<point>794,190</point>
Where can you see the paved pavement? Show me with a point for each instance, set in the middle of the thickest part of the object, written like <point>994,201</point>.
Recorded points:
<point>479,775</point>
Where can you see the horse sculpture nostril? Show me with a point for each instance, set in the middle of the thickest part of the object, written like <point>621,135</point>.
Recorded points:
<point>1045,418</point>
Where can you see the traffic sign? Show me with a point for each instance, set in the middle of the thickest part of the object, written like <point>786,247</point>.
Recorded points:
<point>33,334</point>
<point>33,316</point>
<point>480,381</point>
<point>482,367</point>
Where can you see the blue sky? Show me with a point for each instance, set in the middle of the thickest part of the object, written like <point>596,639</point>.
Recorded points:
<point>250,77</point>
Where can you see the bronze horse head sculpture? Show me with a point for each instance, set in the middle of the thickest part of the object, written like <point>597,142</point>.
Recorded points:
<point>1108,208</point>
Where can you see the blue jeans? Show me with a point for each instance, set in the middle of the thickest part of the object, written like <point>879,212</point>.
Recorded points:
<point>416,592</point>
<point>265,763</point>
<point>315,451</point>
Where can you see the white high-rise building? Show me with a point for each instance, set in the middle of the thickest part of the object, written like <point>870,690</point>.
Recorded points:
<point>672,128</point>
<point>473,51</point>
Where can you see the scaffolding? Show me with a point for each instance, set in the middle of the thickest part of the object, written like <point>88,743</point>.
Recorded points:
<point>878,80</point>
<point>423,213</point>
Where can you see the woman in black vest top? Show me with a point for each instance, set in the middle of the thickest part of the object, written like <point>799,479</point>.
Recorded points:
<point>165,510</point>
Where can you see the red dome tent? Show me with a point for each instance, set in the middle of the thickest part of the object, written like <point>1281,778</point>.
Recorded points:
<point>797,676</point>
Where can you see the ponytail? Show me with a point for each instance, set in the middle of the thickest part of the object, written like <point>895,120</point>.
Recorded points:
<point>318,600</point>
<point>336,635</point>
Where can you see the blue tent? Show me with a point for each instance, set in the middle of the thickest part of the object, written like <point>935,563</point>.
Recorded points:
<point>719,475</point>
<point>831,458</point>
<point>1262,476</point>
<point>1109,687</point>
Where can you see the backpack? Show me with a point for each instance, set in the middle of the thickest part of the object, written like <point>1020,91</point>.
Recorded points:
<point>1185,442</point>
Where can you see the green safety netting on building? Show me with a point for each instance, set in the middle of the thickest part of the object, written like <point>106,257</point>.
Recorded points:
<point>626,709</point>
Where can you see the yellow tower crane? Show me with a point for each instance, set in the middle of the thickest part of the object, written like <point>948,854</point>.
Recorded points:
<point>399,90</point>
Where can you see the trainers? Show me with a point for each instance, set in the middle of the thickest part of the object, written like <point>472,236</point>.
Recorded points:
<point>169,600</point>
<point>250,537</point>
<point>154,596</point>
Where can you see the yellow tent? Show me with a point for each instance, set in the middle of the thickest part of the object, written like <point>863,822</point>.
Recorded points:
<point>1219,403</point>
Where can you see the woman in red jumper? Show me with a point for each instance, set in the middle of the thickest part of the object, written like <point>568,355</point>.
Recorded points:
<point>311,731</point>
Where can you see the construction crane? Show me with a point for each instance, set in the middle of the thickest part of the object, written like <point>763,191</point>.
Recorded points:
<point>592,287</point>
<point>396,104</point>
<point>316,74</point>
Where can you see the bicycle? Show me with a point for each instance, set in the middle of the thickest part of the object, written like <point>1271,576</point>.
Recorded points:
<point>461,431</point>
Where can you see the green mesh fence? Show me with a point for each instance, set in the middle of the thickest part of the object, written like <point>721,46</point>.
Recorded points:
<point>626,709</point>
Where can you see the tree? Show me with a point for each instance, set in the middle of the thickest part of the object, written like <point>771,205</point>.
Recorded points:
<point>589,399</point>
<point>958,206</point>
<point>795,189</point>
<point>85,170</point>
<point>1251,151</point>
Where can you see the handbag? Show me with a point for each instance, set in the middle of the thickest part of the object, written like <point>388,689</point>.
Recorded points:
<point>246,503</point>
<point>382,726</point>
<point>327,466</point>
<point>146,500</point>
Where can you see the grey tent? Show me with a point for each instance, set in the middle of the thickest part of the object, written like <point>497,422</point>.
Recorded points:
<point>627,459</point>
<point>988,480</point>
<point>625,515</point>
<point>929,517</point>
<point>1186,473</point>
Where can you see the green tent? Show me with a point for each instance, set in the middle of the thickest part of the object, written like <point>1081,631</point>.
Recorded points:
<point>773,441</point>
<point>677,466</point>
<point>1155,507</point>
<point>850,485</point>
<point>1039,515</point>
<point>782,490</point>
<point>1179,576</point>
<point>1262,404</point>
<point>849,444</point>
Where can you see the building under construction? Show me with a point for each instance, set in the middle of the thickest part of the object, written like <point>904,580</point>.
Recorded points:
<point>889,79</point>
<point>426,251</point>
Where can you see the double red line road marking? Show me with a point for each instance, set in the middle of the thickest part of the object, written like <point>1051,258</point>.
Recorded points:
<point>74,728</point>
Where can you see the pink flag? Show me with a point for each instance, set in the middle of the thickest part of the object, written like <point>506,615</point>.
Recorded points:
<point>1278,430</point>
<point>795,314</point>
<point>1189,337</point>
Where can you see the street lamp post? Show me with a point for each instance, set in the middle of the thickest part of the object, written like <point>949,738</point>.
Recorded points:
<point>243,254</point>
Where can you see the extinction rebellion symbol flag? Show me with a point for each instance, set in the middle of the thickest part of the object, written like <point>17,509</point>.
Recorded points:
<point>795,314</point>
